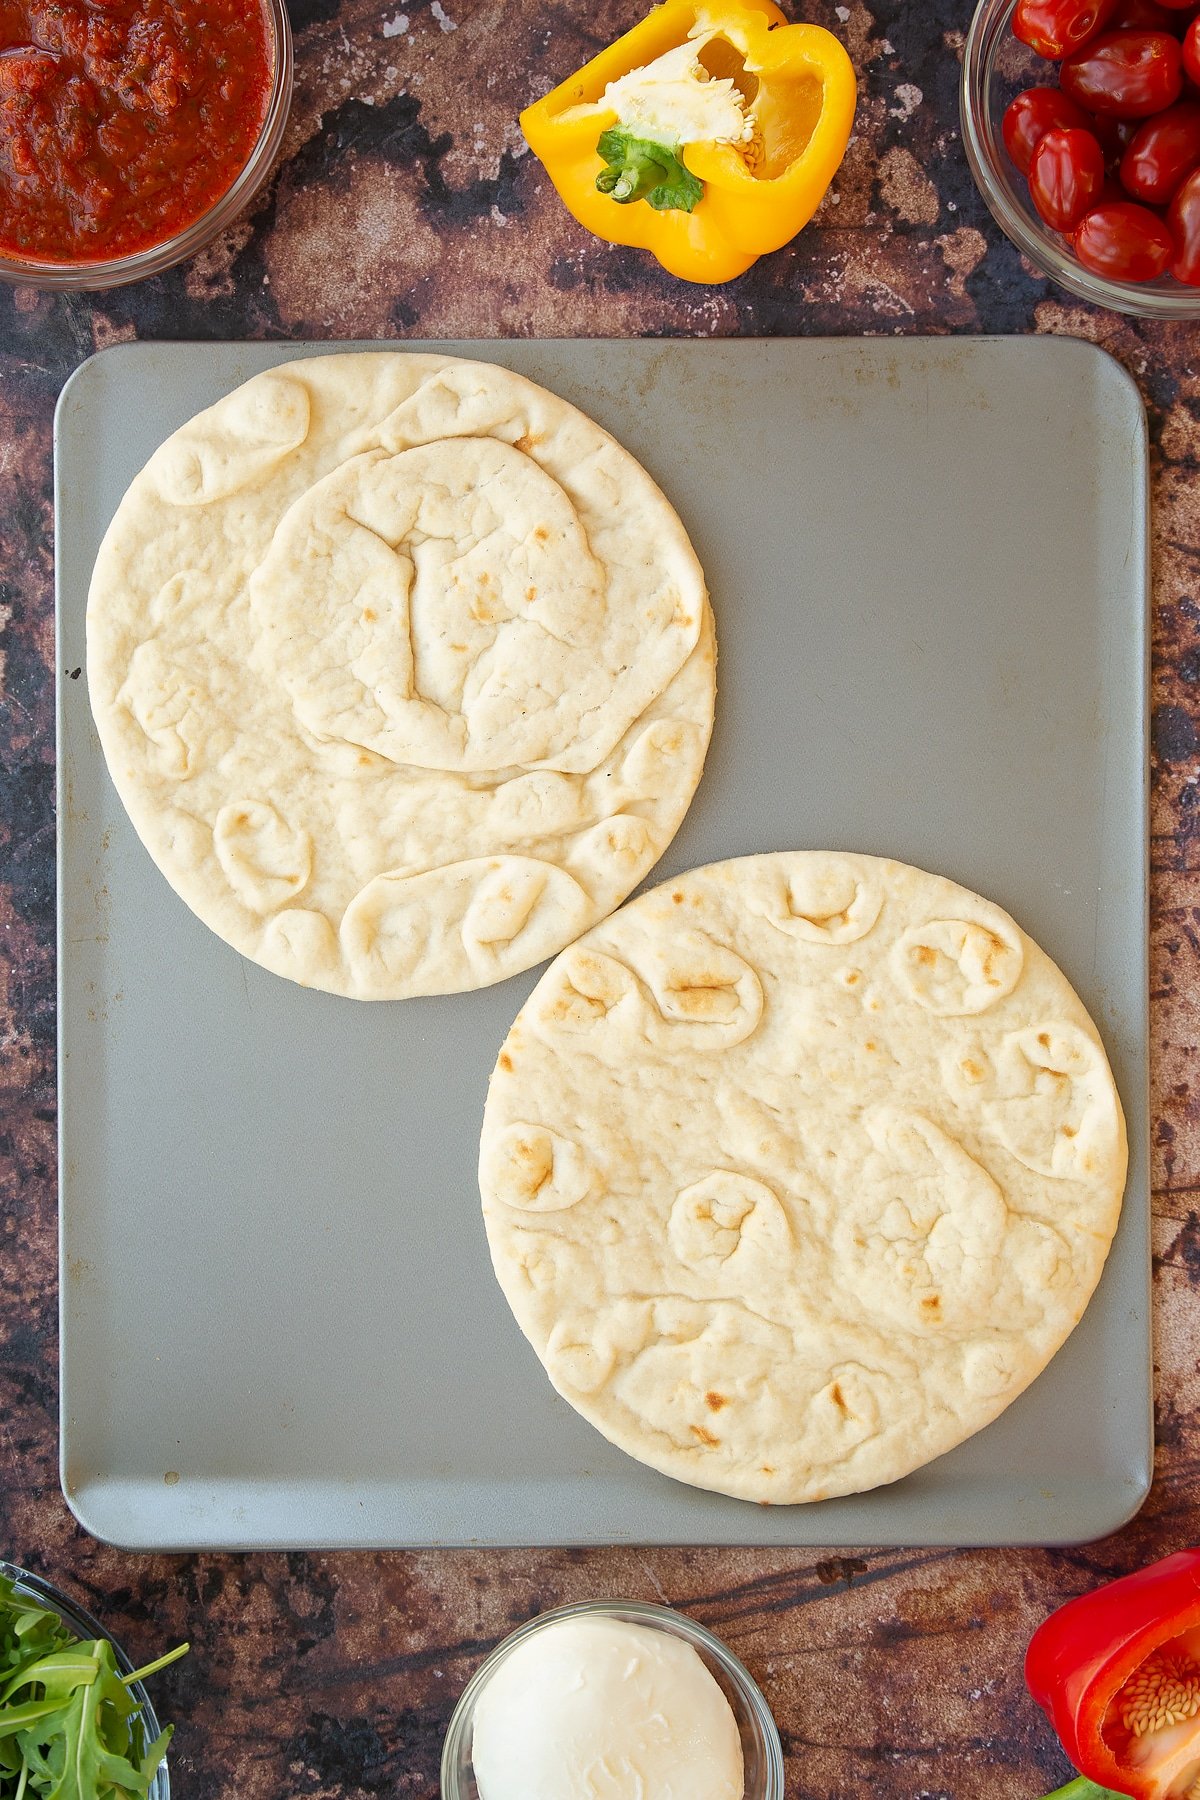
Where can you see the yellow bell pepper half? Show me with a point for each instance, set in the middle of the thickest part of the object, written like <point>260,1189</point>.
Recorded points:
<point>706,210</point>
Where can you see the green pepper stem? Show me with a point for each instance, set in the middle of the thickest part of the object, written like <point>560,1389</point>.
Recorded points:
<point>639,169</point>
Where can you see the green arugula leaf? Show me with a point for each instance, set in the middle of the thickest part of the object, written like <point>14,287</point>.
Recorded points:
<point>640,169</point>
<point>69,1727</point>
<point>16,1718</point>
<point>39,1765</point>
<point>155,1753</point>
<point>72,1782</point>
<point>61,1671</point>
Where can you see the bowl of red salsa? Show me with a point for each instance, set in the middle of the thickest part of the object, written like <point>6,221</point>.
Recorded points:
<point>132,132</point>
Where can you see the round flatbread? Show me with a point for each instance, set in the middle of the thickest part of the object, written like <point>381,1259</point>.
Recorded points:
<point>402,667</point>
<point>798,1169</point>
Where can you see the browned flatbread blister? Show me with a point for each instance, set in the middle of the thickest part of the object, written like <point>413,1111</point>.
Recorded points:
<point>403,668</point>
<point>798,1169</point>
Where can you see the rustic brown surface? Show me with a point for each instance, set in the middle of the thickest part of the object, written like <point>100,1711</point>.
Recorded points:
<point>404,206</point>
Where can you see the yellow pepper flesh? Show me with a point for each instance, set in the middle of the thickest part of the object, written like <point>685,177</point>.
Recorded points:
<point>803,109</point>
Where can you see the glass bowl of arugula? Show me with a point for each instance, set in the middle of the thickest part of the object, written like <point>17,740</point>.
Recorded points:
<point>74,1717</point>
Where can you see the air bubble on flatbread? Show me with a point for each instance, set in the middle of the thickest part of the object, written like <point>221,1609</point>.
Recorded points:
<point>298,942</point>
<point>267,860</point>
<point>540,805</point>
<point>587,985</point>
<point>832,903</point>
<point>455,402</point>
<point>576,1361</point>
<point>519,901</point>
<point>706,997</point>
<point>697,1351</point>
<point>658,753</point>
<point>385,930</point>
<point>844,1414</point>
<point>234,444</point>
<point>727,1218</point>
<point>1052,1112</point>
<point>955,967</point>
<point>537,1170</point>
<point>623,841</point>
<point>584,1350</point>
<point>167,701</point>
<point>1042,1255</point>
<point>923,1232</point>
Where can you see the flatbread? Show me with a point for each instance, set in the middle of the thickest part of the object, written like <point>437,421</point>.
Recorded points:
<point>403,668</point>
<point>798,1169</point>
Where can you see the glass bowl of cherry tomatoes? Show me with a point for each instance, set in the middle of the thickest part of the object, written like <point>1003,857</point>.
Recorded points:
<point>1081,121</point>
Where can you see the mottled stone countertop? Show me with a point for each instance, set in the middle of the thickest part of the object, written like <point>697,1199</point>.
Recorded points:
<point>403,205</point>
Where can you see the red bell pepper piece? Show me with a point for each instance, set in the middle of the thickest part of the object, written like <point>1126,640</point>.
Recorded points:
<point>1118,1673</point>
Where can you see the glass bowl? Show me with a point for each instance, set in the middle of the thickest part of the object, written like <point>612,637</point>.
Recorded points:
<point>996,66</point>
<point>84,1626</point>
<point>119,270</point>
<point>762,1752</point>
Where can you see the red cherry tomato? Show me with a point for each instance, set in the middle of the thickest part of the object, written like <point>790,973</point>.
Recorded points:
<point>1066,177</point>
<point>1144,15</point>
<point>1130,74</point>
<point>1124,242</point>
<point>1056,27</point>
<point>1179,5</point>
<point>1114,135</point>
<point>1034,113</point>
<point>1161,152</point>
<point>1184,221</point>
<point>1191,51</point>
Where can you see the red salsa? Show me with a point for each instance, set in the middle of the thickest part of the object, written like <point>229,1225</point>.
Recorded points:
<point>122,121</point>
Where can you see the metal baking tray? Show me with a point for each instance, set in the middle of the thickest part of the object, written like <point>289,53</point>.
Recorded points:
<point>928,562</point>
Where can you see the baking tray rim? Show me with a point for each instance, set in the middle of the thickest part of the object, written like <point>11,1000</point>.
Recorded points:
<point>1139,1475</point>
